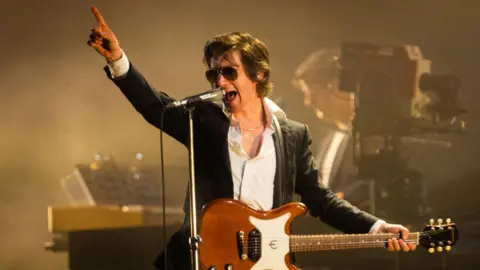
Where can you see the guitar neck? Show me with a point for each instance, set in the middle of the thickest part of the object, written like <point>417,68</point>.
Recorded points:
<point>303,243</point>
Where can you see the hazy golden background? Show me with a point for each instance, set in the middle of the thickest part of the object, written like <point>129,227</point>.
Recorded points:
<point>57,108</point>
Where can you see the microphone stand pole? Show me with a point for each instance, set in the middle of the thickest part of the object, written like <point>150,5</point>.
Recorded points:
<point>195,239</point>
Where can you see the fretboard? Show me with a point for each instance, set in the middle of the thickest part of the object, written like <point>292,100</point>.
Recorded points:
<point>299,243</point>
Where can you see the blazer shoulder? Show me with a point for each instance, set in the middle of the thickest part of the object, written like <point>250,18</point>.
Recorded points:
<point>293,125</point>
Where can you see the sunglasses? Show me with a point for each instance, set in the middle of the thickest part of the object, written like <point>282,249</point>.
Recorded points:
<point>228,73</point>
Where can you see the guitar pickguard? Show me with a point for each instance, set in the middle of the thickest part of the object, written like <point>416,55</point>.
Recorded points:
<point>275,243</point>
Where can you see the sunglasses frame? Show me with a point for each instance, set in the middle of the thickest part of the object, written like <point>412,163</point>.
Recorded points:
<point>221,71</point>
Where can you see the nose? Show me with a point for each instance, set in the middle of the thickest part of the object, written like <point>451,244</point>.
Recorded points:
<point>222,82</point>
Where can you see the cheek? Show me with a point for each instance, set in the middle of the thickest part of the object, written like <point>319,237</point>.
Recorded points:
<point>245,86</point>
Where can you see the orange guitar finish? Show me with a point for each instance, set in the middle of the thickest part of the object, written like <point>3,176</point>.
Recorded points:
<point>220,223</point>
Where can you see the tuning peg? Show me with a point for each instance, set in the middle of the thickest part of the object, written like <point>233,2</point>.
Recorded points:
<point>439,249</point>
<point>432,221</point>
<point>431,250</point>
<point>440,221</point>
<point>448,248</point>
<point>448,221</point>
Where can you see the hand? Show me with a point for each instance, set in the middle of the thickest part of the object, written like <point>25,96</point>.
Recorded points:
<point>397,244</point>
<point>103,40</point>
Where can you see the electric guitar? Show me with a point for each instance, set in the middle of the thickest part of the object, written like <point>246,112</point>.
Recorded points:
<point>235,236</point>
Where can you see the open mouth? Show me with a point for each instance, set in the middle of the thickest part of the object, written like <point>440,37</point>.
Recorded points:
<point>231,95</point>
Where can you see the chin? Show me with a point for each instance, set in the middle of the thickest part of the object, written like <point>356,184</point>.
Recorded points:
<point>233,106</point>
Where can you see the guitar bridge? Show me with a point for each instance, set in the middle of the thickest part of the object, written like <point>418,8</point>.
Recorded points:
<point>241,245</point>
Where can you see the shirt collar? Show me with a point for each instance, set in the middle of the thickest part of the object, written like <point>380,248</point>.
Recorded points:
<point>271,108</point>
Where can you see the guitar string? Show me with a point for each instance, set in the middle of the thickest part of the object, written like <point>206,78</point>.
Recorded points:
<point>321,247</point>
<point>328,246</point>
<point>331,236</point>
<point>329,241</point>
<point>368,237</point>
<point>312,249</point>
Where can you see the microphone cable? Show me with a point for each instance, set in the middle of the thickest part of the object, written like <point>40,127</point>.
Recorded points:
<point>162,177</point>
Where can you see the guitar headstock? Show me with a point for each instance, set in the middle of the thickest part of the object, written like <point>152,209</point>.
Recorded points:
<point>439,236</point>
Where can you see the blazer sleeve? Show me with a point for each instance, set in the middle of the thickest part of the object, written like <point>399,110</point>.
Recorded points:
<point>151,104</point>
<point>321,201</point>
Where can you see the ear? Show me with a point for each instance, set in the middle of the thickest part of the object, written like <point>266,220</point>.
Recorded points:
<point>261,76</point>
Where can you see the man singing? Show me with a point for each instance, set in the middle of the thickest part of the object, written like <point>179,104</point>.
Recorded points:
<point>237,149</point>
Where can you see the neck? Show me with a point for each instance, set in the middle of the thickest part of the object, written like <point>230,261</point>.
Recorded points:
<point>299,243</point>
<point>251,112</point>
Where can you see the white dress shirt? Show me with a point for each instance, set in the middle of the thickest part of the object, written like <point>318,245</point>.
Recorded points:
<point>253,178</point>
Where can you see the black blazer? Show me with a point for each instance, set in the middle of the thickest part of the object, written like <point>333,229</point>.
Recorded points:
<point>212,164</point>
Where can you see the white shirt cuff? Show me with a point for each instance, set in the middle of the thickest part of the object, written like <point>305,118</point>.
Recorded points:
<point>376,226</point>
<point>119,67</point>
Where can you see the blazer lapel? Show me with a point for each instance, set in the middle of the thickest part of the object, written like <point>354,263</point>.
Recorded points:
<point>226,179</point>
<point>281,165</point>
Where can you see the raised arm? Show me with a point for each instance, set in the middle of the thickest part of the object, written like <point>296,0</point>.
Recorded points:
<point>144,98</point>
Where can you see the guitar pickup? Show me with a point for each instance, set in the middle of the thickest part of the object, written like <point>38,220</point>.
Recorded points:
<point>254,246</point>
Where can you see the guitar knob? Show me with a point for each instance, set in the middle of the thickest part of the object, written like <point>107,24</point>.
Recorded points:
<point>228,267</point>
<point>439,249</point>
<point>212,268</point>
<point>431,250</point>
<point>448,248</point>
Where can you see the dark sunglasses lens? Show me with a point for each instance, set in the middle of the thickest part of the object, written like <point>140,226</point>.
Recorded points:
<point>211,75</point>
<point>230,73</point>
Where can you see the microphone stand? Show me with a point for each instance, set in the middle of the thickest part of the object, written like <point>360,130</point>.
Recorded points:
<point>195,239</point>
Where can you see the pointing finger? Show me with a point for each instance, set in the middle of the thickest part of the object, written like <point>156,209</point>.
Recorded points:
<point>98,16</point>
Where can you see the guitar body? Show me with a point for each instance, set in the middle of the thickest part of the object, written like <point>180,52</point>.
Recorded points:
<point>236,236</point>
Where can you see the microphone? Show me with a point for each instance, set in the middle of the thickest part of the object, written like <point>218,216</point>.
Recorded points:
<point>210,95</point>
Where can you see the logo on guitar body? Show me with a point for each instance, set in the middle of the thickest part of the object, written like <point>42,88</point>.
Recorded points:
<point>273,244</point>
